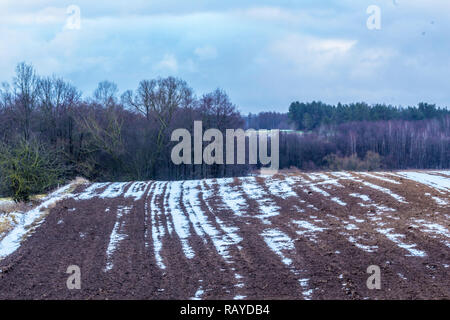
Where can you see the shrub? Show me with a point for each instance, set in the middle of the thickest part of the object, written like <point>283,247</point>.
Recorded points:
<point>28,168</point>
<point>372,161</point>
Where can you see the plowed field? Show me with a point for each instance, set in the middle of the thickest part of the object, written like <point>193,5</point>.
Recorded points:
<point>287,236</point>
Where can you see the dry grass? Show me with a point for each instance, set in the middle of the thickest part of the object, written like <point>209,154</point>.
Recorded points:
<point>5,226</point>
<point>9,206</point>
<point>77,182</point>
<point>7,222</point>
<point>9,209</point>
<point>80,180</point>
<point>44,213</point>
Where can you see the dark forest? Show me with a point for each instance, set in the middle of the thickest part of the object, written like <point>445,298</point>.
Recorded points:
<point>50,133</point>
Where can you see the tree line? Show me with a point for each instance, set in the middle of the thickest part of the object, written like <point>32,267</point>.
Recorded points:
<point>308,116</point>
<point>50,133</point>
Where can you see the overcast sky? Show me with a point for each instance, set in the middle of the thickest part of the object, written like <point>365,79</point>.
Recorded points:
<point>265,54</point>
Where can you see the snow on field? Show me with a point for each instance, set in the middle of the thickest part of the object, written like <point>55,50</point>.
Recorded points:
<point>192,205</point>
<point>318,190</point>
<point>361,246</point>
<point>345,229</point>
<point>188,208</point>
<point>227,220</point>
<point>231,232</point>
<point>199,293</point>
<point>308,229</point>
<point>437,182</point>
<point>4,203</point>
<point>279,242</point>
<point>326,194</point>
<point>441,173</point>
<point>321,180</point>
<point>114,190</point>
<point>230,235</point>
<point>432,228</point>
<point>232,198</point>
<point>363,197</point>
<point>90,191</point>
<point>395,237</point>
<point>374,176</point>
<point>349,176</point>
<point>384,190</point>
<point>307,292</point>
<point>157,229</point>
<point>166,207</point>
<point>137,190</point>
<point>318,179</point>
<point>180,221</point>
<point>342,174</point>
<point>239,279</point>
<point>350,226</point>
<point>339,201</point>
<point>356,219</point>
<point>313,177</point>
<point>11,242</point>
<point>201,223</point>
<point>440,201</point>
<point>380,209</point>
<point>267,207</point>
<point>117,235</point>
<point>280,188</point>
<point>282,245</point>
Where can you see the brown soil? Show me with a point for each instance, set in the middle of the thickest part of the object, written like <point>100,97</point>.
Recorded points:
<point>77,232</point>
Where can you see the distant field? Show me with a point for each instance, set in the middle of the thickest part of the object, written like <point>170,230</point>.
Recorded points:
<point>288,236</point>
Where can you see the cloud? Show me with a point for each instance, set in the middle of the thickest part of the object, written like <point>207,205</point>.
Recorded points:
<point>264,55</point>
<point>271,14</point>
<point>168,63</point>
<point>312,54</point>
<point>206,52</point>
<point>49,15</point>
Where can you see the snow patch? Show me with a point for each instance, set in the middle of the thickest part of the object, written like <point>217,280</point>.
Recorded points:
<point>180,222</point>
<point>279,242</point>
<point>114,190</point>
<point>394,237</point>
<point>116,236</point>
<point>439,183</point>
<point>136,190</point>
<point>35,217</point>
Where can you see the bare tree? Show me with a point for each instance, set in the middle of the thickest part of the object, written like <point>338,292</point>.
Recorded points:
<point>6,97</point>
<point>106,94</point>
<point>56,98</point>
<point>219,112</point>
<point>158,99</point>
<point>26,91</point>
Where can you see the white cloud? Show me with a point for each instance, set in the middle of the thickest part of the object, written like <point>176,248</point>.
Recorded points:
<point>49,15</point>
<point>368,62</point>
<point>260,54</point>
<point>168,63</point>
<point>206,52</point>
<point>271,14</point>
<point>312,53</point>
